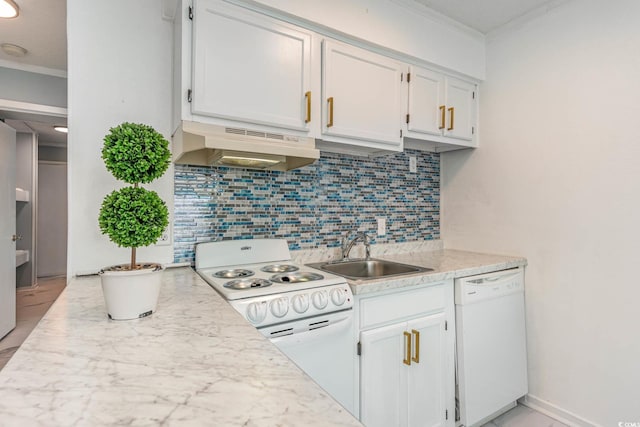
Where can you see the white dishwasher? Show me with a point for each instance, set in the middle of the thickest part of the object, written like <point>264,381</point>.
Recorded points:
<point>490,344</point>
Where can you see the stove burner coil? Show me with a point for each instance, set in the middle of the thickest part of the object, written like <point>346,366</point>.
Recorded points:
<point>232,274</point>
<point>279,268</point>
<point>298,277</point>
<point>241,284</point>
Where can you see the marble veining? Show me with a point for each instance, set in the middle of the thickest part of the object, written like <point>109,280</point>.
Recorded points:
<point>193,362</point>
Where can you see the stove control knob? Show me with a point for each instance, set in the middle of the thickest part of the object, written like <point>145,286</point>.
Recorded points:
<point>280,306</point>
<point>320,299</point>
<point>300,303</point>
<point>338,297</point>
<point>256,312</point>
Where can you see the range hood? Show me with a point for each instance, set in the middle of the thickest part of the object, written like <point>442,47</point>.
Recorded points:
<point>204,144</point>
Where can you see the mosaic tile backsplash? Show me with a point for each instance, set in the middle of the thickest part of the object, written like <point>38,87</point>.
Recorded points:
<point>311,207</point>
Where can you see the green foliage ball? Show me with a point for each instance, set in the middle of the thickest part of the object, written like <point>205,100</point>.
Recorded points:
<point>133,217</point>
<point>135,153</point>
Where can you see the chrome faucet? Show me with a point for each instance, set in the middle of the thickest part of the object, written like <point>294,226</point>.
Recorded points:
<point>347,243</point>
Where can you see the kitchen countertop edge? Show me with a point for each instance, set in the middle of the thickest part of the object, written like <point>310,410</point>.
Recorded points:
<point>445,264</point>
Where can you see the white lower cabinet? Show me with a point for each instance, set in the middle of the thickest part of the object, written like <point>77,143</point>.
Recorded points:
<point>406,358</point>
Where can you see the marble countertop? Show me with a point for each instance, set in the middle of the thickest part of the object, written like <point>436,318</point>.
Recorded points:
<point>193,362</point>
<point>446,264</point>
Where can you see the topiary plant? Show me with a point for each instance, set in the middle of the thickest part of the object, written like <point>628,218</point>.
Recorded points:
<point>133,216</point>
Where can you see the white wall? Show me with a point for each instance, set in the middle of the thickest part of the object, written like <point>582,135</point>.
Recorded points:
<point>25,86</point>
<point>393,24</point>
<point>119,70</point>
<point>557,179</point>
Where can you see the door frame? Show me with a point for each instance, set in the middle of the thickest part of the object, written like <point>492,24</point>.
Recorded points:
<point>41,110</point>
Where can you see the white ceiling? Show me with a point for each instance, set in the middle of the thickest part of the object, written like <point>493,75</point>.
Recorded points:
<point>41,28</point>
<point>484,15</point>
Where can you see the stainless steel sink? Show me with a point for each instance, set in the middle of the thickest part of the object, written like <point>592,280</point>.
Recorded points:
<point>367,269</point>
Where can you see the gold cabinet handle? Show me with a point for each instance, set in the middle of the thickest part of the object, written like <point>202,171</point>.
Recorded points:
<point>416,358</point>
<point>442,112</point>
<point>407,348</point>
<point>308,97</point>
<point>451,113</point>
<point>330,121</point>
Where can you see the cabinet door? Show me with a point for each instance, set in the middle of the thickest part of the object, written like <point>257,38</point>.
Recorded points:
<point>426,101</point>
<point>428,372</point>
<point>460,98</point>
<point>249,67</point>
<point>383,377</point>
<point>362,94</point>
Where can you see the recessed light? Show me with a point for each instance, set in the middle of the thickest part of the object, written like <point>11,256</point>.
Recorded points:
<point>8,9</point>
<point>13,50</point>
<point>62,129</point>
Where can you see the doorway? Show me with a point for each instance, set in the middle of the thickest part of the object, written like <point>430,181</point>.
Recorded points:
<point>44,232</point>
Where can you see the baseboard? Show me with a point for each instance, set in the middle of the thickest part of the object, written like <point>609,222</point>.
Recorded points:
<point>556,412</point>
<point>29,288</point>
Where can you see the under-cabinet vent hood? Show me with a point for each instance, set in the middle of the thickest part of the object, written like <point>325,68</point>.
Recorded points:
<point>203,144</point>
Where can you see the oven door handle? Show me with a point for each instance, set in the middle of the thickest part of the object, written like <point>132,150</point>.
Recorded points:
<point>313,334</point>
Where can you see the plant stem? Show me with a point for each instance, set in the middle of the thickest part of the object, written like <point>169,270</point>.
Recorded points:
<point>133,250</point>
<point>133,258</point>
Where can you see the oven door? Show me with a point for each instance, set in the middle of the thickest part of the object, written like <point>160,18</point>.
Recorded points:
<point>324,347</point>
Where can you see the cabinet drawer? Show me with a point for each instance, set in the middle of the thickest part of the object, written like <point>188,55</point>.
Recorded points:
<point>375,311</point>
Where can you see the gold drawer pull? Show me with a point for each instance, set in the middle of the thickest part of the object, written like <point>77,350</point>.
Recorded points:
<point>308,97</point>
<point>416,358</point>
<point>330,121</point>
<point>442,113</point>
<point>451,113</point>
<point>407,349</point>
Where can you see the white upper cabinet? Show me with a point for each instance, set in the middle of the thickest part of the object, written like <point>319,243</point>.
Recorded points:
<point>237,64</point>
<point>460,105</point>
<point>248,67</point>
<point>362,97</point>
<point>441,109</point>
<point>426,96</point>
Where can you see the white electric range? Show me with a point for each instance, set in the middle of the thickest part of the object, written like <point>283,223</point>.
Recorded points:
<point>306,312</point>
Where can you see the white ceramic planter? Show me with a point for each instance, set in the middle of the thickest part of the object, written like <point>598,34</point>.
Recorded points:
<point>131,294</point>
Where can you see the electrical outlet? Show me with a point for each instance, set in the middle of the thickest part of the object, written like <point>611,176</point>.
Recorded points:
<point>382,226</point>
<point>165,238</point>
<point>413,164</point>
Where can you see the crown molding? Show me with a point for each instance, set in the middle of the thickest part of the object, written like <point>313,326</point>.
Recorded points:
<point>438,17</point>
<point>522,20</point>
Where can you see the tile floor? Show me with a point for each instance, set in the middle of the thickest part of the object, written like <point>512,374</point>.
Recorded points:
<point>521,416</point>
<point>31,305</point>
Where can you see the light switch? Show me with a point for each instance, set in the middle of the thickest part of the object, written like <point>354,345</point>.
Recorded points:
<point>413,164</point>
<point>382,226</point>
